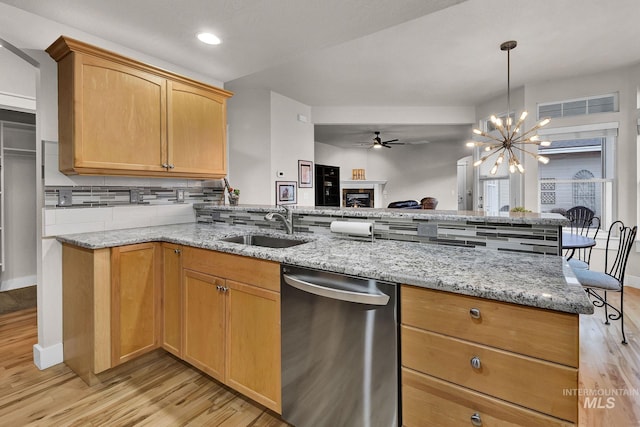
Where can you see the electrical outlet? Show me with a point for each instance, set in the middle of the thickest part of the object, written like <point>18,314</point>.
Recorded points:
<point>180,195</point>
<point>65,197</point>
<point>135,196</point>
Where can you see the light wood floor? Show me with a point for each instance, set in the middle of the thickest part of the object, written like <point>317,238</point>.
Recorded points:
<point>159,390</point>
<point>156,390</point>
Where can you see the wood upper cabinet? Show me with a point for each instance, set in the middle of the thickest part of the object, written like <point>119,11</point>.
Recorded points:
<point>118,116</point>
<point>204,322</point>
<point>172,298</point>
<point>196,130</point>
<point>135,314</point>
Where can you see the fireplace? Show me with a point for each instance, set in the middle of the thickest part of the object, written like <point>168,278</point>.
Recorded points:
<point>364,193</point>
<point>358,197</point>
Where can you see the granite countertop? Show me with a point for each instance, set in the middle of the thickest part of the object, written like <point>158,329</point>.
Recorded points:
<point>542,281</point>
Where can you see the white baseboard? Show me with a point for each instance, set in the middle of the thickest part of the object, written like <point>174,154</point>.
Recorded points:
<point>46,357</point>
<point>18,282</point>
<point>632,281</point>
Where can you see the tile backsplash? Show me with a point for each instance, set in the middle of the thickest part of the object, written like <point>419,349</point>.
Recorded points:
<point>96,196</point>
<point>527,238</point>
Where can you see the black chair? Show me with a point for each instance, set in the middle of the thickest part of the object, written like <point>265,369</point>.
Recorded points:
<point>581,257</point>
<point>619,243</point>
<point>580,217</point>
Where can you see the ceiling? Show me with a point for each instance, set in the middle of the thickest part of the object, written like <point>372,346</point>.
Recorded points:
<point>368,52</point>
<point>361,136</point>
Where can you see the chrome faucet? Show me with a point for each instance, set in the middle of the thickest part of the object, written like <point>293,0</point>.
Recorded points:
<point>286,220</point>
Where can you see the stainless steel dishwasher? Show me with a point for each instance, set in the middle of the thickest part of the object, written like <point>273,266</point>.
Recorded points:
<point>339,350</point>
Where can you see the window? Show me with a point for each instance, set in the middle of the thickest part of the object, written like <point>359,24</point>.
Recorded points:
<point>580,171</point>
<point>579,107</point>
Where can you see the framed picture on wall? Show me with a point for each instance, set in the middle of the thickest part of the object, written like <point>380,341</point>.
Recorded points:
<point>286,193</point>
<point>305,174</point>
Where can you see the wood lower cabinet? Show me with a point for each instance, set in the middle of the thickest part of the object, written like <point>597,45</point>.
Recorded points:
<point>110,300</point>
<point>468,360</point>
<point>247,336</point>
<point>253,343</point>
<point>118,116</point>
<point>172,298</point>
<point>204,323</point>
<point>135,296</point>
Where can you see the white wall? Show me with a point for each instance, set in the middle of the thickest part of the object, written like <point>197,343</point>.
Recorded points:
<point>17,82</point>
<point>266,136</point>
<point>249,118</point>
<point>411,171</point>
<point>291,140</point>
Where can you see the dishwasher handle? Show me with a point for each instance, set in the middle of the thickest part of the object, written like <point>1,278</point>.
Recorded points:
<point>338,294</point>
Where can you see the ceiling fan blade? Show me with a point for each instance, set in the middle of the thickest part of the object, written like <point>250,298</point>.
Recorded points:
<point>391,140</point>
<point>385,145</point>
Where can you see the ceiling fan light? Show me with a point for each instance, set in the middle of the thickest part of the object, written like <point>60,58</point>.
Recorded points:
<point>377,145</point>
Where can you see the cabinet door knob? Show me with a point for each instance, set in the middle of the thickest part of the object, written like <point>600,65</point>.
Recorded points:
<point>225,289</point>
<point>165,165</point>
<point>218,287</point>
<point>171,166</point>
<point>475,362</point>
<point>177,251</point>
<point>476,420</point>
<point>474,313</point>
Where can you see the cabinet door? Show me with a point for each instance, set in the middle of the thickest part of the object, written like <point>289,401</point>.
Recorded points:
<point>118,118</point>
<point>196,131</point>
<point>204,322</point>
<point>253,343</point>
<point>135,317</point>
<point>172,298</point>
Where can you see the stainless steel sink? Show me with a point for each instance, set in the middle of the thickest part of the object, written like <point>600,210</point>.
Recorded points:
<point>264,241</point>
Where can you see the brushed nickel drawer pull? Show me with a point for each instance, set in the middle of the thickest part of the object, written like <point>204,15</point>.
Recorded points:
<point>476,420</point>
<point>475,362</point>
<point>474,313</point>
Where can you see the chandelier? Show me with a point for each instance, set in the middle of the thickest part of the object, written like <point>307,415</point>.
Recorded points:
<point>509,141</point>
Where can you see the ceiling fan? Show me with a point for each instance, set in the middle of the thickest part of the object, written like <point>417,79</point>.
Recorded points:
<point>379,143</point>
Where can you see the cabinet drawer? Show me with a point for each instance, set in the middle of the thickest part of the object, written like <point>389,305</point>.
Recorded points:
<point>262,273</point>
<point>429,401</point>
<point>529,382</point>
<point>544,334</point>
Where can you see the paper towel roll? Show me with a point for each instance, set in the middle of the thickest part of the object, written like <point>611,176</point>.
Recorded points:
<point>356,228</point>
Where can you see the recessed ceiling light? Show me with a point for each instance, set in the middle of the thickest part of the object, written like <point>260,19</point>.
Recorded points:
<point>209,38</point>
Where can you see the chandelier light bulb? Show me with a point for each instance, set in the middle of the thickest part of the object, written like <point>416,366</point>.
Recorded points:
<point>477,131</point>
<point>523,116</point>
<point>494,169</point>
<point>500,158</point>
<point>520,168</point>
<point>542,159</point>
<point>471,144</point>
